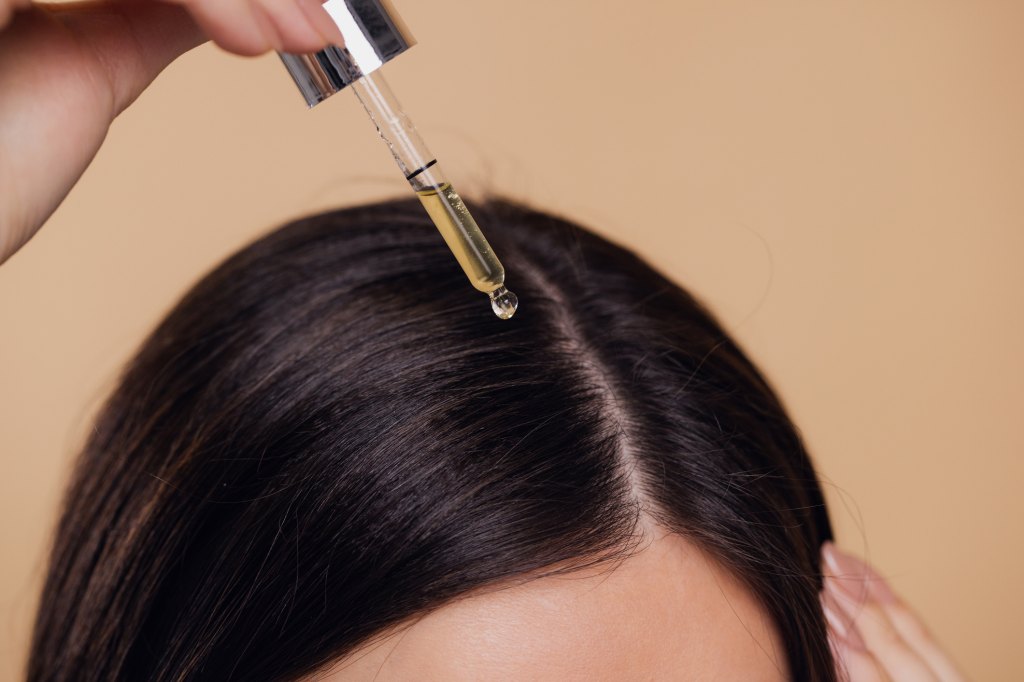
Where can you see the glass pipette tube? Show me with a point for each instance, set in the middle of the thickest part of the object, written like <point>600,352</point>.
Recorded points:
<point>442,203</point>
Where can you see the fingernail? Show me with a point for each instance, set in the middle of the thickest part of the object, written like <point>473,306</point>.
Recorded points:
<point>854,576</point>
<point>848,604</point>
<point>835,622</point>
<point>830,555</point>
<point>844,573</point>
<point>841,625</point>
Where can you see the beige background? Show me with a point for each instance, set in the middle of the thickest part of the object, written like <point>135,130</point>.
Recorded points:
<point>842,181</point>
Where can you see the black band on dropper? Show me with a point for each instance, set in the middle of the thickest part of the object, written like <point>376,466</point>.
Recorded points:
<point>419,170</point>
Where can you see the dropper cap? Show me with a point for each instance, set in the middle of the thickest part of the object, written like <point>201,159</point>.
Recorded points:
<point>374,35</point>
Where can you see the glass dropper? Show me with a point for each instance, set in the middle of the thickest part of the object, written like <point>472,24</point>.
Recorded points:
<point>442,203</point>
<point>373,34</point>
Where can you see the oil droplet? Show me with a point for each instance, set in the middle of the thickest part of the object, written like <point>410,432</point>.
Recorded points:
<point>503,302</point>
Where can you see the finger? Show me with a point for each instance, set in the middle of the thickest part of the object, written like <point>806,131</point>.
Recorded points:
<point>911,629</point>
<point>854,574</point>
<point>9,7</point>
<point>853,662</point>
<point>252,27</point>
<point>132,42</point>
<point>856,665</point>
<point>916,635</point>
<point>64,74</point>
<point>290,25</point>
<point>880,636</point>
<point>232,24</point>
<point>840,625</point>
<point>322,21</point>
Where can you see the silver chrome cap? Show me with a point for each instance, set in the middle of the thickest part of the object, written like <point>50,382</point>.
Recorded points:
<point>374,35</point>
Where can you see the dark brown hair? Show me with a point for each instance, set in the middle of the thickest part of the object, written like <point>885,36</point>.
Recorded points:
<point>332,434</point>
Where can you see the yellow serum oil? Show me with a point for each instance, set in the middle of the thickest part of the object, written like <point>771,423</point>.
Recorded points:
<point>465,240</point>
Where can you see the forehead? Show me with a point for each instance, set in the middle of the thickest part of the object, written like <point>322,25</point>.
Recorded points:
<point>668,612</point>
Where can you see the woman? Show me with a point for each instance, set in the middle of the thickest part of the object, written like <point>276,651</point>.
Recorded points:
<point>331,462</point>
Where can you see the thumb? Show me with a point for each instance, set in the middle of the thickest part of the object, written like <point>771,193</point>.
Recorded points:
<point>131,42</point>
<point>65,72</point>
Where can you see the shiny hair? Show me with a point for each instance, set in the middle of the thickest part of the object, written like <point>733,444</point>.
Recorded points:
<point>332,434</point>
